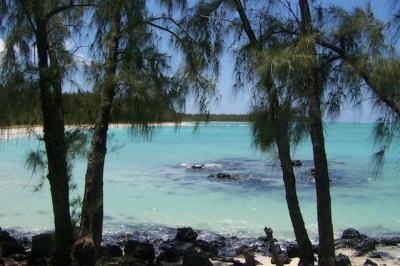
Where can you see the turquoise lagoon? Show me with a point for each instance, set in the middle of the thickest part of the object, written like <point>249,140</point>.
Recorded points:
<point>148,186</point>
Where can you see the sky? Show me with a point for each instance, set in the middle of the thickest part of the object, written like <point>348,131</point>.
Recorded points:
<point>230,103</point>
<point>240,103</point>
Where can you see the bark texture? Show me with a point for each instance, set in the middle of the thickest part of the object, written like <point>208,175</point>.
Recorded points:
<point>92,209</point>
<point>53,127</point>
<point>282,141</point>
<point>326,255</point>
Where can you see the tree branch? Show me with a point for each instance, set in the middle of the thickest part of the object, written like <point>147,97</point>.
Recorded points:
<point>63,8</point>
<point>28,16</point>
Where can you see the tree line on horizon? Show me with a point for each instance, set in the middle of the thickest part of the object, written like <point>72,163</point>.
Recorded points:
<point>22,108</point>
<point>301,60</point>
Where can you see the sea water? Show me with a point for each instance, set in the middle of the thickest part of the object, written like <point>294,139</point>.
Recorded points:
<point>149,185</point>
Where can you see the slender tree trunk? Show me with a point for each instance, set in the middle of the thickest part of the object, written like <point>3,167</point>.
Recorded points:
<point>282,140</point>
<point>92,209</point>
<point>326,253</point>
<point>53,127</point>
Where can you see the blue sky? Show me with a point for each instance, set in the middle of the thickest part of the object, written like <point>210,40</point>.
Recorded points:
<point>240,103</point>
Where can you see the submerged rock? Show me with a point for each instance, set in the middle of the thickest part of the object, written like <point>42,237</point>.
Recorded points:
<point>224,176</point>
<point>139,250</point>
<point>297,163</point>
<point>186,234</point>
<point>197,166</point>
<point>342,260</point>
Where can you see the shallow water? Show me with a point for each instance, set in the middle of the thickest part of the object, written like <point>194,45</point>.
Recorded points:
<point>149,187</point>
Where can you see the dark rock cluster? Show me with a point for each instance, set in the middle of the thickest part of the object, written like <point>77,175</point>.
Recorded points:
<point>185,249</point>
<point>351,238</point>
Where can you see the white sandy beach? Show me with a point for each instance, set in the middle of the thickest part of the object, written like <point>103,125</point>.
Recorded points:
<point>13,132</point>
<point>391,257</point>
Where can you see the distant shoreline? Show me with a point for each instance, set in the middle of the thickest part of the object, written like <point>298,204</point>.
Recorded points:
<point>13,132</point>
<point>17,131</point>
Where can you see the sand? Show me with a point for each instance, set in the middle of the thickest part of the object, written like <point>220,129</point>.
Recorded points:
<point>14,132</point>
<point>391,257</point>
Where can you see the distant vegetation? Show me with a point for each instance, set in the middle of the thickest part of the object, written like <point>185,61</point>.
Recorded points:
<point>23,108</point>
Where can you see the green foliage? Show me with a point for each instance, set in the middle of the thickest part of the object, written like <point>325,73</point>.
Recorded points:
<point>76,145</point>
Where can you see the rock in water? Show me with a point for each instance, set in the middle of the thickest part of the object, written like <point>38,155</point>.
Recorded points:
<point>186,234</point>
<point>142,251</point>
<point>342,260</point>
<point>197,166</point>
<point>224,176</point>
<point>351,233</point>
<point>297,163</point>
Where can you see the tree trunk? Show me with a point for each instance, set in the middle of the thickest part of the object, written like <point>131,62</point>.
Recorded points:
<point>92,209</point>
<point>53,127</point>
<point>282,141</point>
<point>326,253</point>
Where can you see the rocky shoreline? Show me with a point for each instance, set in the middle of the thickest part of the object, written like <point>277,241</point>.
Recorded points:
<point>186,248</point>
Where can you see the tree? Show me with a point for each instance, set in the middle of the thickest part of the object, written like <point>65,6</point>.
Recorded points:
<point>313,88</point>
<point>42,25</point>
<point>133,70</point>
<point>366,66</point>
<point>271,126</point>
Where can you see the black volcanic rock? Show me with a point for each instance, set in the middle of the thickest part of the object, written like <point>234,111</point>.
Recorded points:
<point>186,234</point>
<point>9,245</point>
<point>111,251</point>
<point>297,163</point>
<point>369,262</point>
<point>351,233</point>
<point>139,250</point>
<point>193,258</point>
<point>42,245</point>
<point>342,260</point>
